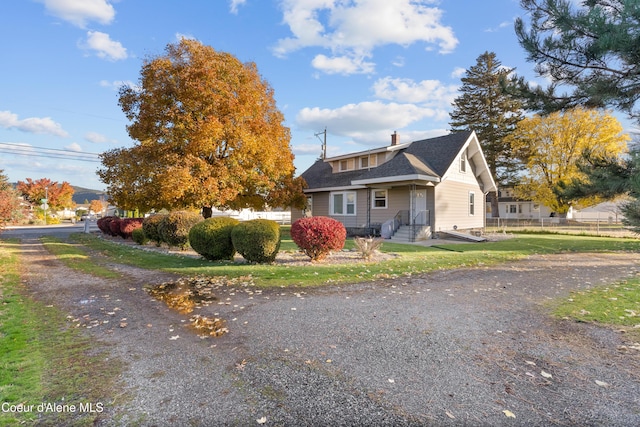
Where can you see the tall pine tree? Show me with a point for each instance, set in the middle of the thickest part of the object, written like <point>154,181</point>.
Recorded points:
<point>487,109</point>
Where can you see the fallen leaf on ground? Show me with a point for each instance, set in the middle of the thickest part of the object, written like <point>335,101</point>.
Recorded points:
<point>450,415</point>
<point>175,337</point>
<point>602,383</point>
<point>546,374</point>
<point>261,420</point>
<point>509,414</point>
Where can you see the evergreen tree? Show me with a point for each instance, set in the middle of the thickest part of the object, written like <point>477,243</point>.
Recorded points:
<point>593,48</point>
<point>487,109</point>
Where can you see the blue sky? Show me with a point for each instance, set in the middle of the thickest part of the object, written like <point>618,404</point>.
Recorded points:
<point>362,69</point>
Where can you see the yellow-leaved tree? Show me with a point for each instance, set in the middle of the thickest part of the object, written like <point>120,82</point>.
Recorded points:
<point>208,134</point>
<point>550,146</point>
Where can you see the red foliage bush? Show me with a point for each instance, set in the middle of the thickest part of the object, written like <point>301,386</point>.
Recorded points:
<point>114,226</point>
<point>103,224</point>
<point>127,225</point>
<point>319,235</point>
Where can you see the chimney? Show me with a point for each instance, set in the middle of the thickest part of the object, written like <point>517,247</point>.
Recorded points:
<point>395,138</point>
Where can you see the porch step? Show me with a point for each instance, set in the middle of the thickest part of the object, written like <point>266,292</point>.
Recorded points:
<point>403,234</point>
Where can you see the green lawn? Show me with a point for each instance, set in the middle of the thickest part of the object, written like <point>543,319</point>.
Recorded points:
<point>41,359</point>
<point>410,259</point>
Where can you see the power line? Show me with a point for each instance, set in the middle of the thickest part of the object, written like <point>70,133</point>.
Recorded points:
<point>53,153</point>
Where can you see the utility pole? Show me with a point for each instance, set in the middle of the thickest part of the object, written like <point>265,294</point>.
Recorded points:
<point>323,154</point>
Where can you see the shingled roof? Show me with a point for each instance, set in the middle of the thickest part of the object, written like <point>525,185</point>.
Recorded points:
<point>429,158</point>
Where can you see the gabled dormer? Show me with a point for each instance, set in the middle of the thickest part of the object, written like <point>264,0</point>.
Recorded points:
<point>365,160</point>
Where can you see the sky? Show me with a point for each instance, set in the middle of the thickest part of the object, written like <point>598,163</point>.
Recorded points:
<point>361,69</point>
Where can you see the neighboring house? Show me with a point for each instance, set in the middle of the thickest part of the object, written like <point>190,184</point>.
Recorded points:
<point>422,187</point>
<point>512,207</point>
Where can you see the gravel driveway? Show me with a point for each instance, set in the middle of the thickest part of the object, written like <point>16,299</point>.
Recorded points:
<point>470,346</point>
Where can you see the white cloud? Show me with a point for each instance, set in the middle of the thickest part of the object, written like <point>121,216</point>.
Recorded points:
<point>504,24</point>
<point>366,121</point>
<point>74,146</point>
<point>117,84</point>
<point>104,47</point>
<point>234,4</point>
<point>181,36</point>
<point>98,138</point>
<point>458,72</point>
<point>80,12</point>
<point>342,65</point>
<point>355,29</point>
<point>305,149</point>
<point>426,92</point>
<point>42,125</point>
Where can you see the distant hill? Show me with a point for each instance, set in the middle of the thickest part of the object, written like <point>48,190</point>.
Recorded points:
<point>81,194</point>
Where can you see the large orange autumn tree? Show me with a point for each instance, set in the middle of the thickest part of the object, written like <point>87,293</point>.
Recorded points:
<point>208,134</point>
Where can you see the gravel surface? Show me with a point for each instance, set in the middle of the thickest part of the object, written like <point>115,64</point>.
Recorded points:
<point>471,346</point>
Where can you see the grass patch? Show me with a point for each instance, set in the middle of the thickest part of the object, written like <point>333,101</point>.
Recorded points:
<point>614,305</point>
<point>41,359</point>
<point>76,258</point>
<point>410,259</point>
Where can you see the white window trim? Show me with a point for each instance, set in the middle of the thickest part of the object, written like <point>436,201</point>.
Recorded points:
<point>463,163</point>
<point>386,199</point>
<point>362,159</point>
<point>472,206</point>
<point>332,211</point>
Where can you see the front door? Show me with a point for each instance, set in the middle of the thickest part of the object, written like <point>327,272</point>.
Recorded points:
<point>419,207</point>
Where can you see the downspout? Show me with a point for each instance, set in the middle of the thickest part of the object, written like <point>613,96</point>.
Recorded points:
<point>369,208</point>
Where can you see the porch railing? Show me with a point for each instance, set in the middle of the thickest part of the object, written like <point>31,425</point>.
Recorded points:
<point>390,226</point>
<point>421,220</point>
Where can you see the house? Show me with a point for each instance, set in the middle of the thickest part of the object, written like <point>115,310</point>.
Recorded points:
<point>414,190</point>
<point>512,207</point>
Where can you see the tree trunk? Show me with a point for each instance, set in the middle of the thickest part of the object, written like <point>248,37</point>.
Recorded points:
<point>207,211</point>
<point>495,207</point>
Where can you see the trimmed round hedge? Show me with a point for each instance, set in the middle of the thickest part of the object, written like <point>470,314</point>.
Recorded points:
<point>174,227</point>
<point>150,227</point>
<point>257,240</point>
<point>211,238</point>
<point>139,237</point>
<point>317,236</point>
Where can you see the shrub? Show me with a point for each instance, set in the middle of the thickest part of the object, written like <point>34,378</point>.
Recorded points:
<point>127,225</point>
<point>257,240</point>
<point>174,227</point>
<point>211,238</point>
<point>367,246</point>
<point>139,237</point>
<point>114,226</point>
<point>103,224</point>
<point>150,227</point>
<point>317,236</point>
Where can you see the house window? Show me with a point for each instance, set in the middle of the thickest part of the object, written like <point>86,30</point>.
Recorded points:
<point>512,209</point>
<point>364,162</point>
<point>472,203</point>
<point>346,165</point>
<point>463,162</point>
<point>379,200</point>
<point>343,203</point>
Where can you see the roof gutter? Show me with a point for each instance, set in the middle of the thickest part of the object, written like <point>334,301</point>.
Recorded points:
<point>397,178</point>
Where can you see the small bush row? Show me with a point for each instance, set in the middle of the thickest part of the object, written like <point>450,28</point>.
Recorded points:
<point>219,238</point>
<point>123,227</point>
